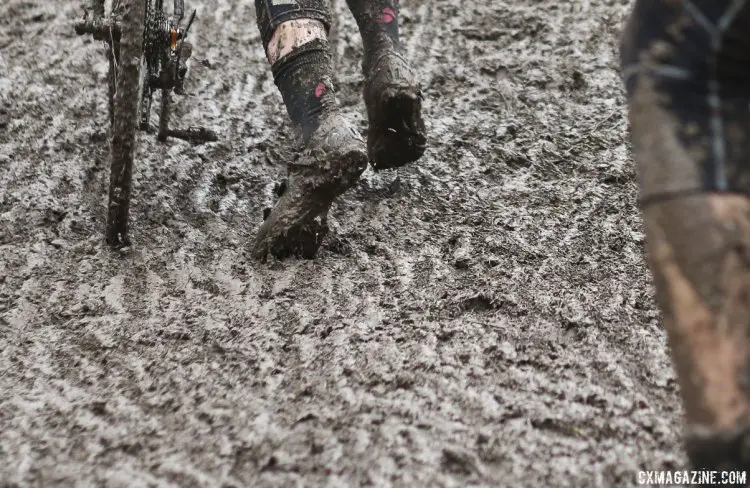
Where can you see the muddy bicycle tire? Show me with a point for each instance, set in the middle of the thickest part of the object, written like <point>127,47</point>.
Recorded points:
<point>125,103</point>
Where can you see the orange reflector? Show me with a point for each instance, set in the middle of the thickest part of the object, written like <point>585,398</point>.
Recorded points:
<point>173,37</point>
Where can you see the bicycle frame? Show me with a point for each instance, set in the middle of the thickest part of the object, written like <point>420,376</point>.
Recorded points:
<point>137,30</point>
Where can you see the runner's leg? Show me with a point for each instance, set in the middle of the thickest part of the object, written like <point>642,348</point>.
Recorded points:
<point>686,66</point>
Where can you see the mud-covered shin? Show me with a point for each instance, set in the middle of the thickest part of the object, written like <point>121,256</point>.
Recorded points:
<point>687,74</point>
<point>300,58</point>
<point>122,144</point>
<point>378,26</point>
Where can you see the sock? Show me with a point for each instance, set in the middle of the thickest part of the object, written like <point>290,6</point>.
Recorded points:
<point>378,26</point>
<point>304,79</point>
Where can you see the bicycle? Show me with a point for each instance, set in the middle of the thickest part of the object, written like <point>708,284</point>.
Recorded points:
<point>147,52</point>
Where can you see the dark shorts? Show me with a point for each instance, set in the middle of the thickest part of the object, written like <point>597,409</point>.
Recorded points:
<point>686,67</point>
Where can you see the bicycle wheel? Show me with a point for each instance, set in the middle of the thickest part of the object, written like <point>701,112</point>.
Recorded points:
<point>126,100</point>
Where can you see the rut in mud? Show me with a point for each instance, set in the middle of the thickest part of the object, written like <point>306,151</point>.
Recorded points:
<point>482,318</point>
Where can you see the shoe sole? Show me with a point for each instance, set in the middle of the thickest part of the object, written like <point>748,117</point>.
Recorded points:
<point>291,227</point>
<point>719,449</point>
<point>401,139</point>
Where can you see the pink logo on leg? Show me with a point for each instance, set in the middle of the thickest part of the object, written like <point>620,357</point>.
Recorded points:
<point>320,89</point>
<point>387,16</point>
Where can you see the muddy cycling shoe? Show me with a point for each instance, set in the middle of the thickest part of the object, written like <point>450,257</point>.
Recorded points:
<point>719,450</point>
<point>394,110</point>
<point>331,163</point>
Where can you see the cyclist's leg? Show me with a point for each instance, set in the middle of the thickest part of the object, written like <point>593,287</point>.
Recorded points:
<point>294,35</point>
<point>686,66</point>
<point>392,94</point>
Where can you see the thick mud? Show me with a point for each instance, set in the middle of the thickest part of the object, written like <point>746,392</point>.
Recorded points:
<point>482,318</point>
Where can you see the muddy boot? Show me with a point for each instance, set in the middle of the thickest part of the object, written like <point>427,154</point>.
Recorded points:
<point>699,252</point>
<point>334,156</point>
<point>725,450</point>
<point>394,111</point>
<point>392,94</point>
<point>331,162</point>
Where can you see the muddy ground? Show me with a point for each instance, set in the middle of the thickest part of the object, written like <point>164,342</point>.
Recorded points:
<point>482,318</point>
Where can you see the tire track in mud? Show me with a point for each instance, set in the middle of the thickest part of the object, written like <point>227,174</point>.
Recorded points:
<point>424,43</point>
<point>37,130</point>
